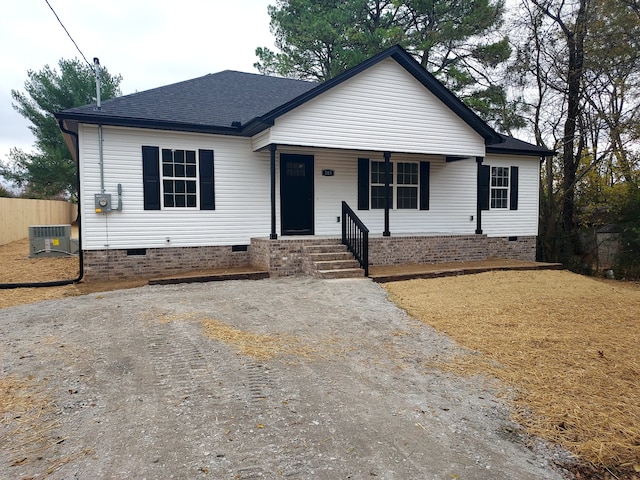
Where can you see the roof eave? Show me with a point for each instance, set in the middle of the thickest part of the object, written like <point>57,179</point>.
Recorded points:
<point>523,152</point>
<point>146,123</point>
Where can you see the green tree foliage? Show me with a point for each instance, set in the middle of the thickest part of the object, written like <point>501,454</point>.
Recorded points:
<point>459,41</point>
<point>4,192</point>
<point>49,171</point>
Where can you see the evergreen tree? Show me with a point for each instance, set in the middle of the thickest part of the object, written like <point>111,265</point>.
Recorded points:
<point>49,171</point>
<point>459,41</point>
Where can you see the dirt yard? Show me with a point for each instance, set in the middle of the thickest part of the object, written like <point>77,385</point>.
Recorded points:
<point>290,377</point>
<point>17,267</point>
<point>563,346</point>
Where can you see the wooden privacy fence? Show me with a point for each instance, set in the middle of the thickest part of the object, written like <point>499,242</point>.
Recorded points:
<point>17,214</point>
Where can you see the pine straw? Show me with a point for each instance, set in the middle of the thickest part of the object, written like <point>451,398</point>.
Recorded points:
<point>17,267</point>
<point>260,347</point>
<point>25,431</point>
<point>19,398</point>
<point>566,344</point>
<point>24,269</point>
<point>257,346</point>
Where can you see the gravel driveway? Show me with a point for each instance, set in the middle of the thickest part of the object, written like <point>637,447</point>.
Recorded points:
<point>134,388</point>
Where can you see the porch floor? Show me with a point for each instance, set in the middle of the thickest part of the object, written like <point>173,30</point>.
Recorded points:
<point>411,271</point>
<point>212,275</point>
<point>377,274</point>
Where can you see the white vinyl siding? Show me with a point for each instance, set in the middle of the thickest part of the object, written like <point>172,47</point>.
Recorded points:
<point>242,192</point>
<point>503,222</point>
<point>382,109</point>
<point>452,195</point>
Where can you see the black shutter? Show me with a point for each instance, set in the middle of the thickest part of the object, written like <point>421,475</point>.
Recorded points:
<point>424,185</point>
<point>363,184</point>
<point>151,177</point>
<point>207,185</point>
<point>483,186</point>
<point>513,195</point>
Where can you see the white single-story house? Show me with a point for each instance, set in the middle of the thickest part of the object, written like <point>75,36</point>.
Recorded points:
<point>238,169</point>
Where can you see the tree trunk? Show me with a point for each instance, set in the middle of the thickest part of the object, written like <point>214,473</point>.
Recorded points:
<point>575,72</point>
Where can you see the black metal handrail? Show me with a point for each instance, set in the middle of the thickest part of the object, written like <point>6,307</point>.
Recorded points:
<point>355,235</point>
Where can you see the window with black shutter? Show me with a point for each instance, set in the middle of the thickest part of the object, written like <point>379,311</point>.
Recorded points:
<point>177,178</point>
<point>408,185</point>
<point>498,187</point>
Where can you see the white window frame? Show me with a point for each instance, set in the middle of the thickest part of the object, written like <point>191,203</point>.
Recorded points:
<point>414,186</point>
<point>381,185</point>
<point>177,178</point>
<point>499,188</point>
<point>394,184</point>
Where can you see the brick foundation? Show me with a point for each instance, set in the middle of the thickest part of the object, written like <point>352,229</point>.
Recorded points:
<point>286,256</point>
<point>426,249</point>
<point>158,262</point>
<point>513,248</point>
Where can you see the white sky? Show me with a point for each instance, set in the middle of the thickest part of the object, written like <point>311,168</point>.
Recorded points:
<point>149,42</point>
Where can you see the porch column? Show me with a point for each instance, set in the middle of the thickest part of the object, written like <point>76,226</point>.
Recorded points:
<point>479,161</point>
<point>387,197</point>
<point>272,150</point>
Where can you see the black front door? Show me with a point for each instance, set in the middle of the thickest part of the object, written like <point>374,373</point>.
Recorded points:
<point>296,194</point>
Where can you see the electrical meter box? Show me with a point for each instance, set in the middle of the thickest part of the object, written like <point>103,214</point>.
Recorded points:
<point>103,202</point>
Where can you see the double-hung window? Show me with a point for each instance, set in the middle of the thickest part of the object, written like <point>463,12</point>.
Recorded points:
<point>499,187</point>
<point>179,178</point>
<point>378,184</point>
<point>407,189</point>
<point>408,185</point>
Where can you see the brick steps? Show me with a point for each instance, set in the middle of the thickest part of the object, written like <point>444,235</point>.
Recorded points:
<point>332,261</point>
<point>341,273</point>
<point>330,256</point>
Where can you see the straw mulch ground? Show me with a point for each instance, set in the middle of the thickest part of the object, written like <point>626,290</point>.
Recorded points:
<point>22,404</point>
<point>17,267</point>
<point>29,425</point>
<point>564,346</point>
<point>255,345</point>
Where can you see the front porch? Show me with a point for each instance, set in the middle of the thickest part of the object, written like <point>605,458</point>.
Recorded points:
<point>287,256</point>
<point>321,256</point>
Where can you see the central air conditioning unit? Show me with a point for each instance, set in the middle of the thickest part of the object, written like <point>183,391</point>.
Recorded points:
<point>50,241</point>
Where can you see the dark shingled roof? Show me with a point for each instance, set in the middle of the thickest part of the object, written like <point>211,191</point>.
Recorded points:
<point>236,103</point>
<point>215,100</point>
<point>518,147</point>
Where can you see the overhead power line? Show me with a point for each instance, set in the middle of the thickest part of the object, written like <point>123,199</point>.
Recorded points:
<point>68,34</point>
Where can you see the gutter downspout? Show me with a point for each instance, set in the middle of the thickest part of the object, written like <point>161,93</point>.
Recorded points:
<point>59,283</point>
<point>272,160</point>
<point>479,161</point>
<point>387,197</point>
